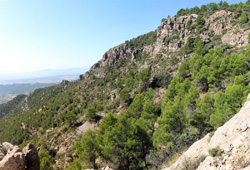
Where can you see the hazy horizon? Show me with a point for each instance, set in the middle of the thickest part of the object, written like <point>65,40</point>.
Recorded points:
<point>42,76</point>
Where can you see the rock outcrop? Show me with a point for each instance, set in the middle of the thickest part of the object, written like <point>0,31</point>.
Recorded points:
<point>219,21</point>
<point>231,140</point>
<point>169,28</point>
<point>236,38</point>
<point>13,160</point>
<point>31,157</point>
<point>16,159</point>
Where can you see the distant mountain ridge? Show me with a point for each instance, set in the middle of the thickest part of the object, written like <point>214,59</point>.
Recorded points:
<point>42,76</point>
<point>9,91</point>
<point>24,102</point>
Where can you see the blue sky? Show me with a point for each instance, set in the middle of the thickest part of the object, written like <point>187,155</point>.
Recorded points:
<point>60,34</point>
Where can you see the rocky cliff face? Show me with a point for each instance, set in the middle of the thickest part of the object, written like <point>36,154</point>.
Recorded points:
<point>175,30</point>
<point>227,149</point>
<point>13,158</point>
<point>171,27</point>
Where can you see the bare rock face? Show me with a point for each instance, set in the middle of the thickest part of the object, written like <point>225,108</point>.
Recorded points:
<point>31,157</point>
<point>234,38</point>
<point>232,139</point>
<point>168,28</point>
<point>219,21</point>
<point>207,164</point>
<point>14,160</point>
<point>113,55</point>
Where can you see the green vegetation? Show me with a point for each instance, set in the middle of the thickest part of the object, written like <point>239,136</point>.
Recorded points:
<point>139,42</point>
<point>123,139</point>
<point>126,140</point>
<point>193,164</point>
<point>207,9</point>
<point>6,108</point>
<point>87,148</point>
<point>45,160</point>
<point>215,151</point>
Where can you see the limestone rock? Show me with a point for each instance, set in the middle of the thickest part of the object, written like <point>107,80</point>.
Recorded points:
<point>1,155</point>
<point>113,56</point>
<point>107,168</point>
<point>7,146</point>
<point>14,160</point>
<point>207,164</point>
<point>220,20</point>
<point>86,126</point>
<point>239,39</point>
<point>168,28</point>
<point>31,157</point>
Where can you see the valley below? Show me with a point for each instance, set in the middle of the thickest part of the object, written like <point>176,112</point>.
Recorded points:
<point>9,92</point>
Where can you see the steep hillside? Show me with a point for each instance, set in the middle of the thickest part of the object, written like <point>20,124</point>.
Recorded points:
<point>147,100</point>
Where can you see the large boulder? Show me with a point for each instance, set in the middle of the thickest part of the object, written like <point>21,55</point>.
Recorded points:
<point>13,160</point>
<point>31,157</point>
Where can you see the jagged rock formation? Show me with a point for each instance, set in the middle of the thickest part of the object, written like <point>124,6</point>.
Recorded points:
<point>168,28</point>
<point>230,144</point>
<point>16,159</point>
<point>13,160</point>
<point>224,21</point>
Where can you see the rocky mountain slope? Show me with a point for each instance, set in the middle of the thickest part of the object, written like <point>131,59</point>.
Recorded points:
<point>147,100</point>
